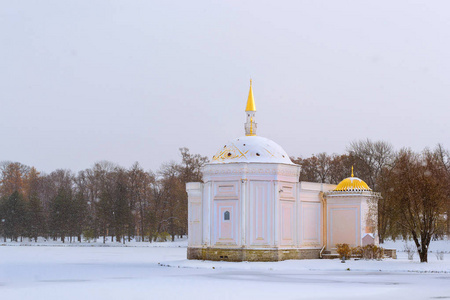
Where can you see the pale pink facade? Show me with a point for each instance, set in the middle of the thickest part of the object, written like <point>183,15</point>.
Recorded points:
<point>352,218</point>
<point>260,200</point>
<point>263,206</point>
<point>251,206</point>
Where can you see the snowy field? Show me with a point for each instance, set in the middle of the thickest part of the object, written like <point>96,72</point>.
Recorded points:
<point>161,271</point>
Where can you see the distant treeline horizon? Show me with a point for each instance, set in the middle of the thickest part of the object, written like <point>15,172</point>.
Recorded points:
<point>110,200</point>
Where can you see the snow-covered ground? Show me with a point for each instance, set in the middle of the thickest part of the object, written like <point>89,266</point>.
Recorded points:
<point>161,271</point>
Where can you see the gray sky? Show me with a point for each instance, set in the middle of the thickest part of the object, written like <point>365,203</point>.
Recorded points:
<point>126,81</point>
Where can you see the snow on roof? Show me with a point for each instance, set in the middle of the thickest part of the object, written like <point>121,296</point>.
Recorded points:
<point>251,149</point>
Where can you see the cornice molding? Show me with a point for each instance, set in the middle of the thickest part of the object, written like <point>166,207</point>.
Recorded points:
<point>252,169</point>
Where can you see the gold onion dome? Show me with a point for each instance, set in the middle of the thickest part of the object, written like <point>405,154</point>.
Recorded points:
<point>352,184</point>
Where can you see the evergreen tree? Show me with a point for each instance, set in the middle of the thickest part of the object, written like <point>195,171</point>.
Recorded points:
<point>121,208</point>
<point>2,217</point>
<point>36,219</point>
<point>60,214</point>
<point>14,216</point>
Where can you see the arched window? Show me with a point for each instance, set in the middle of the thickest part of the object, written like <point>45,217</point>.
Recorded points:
<point>226,216</point>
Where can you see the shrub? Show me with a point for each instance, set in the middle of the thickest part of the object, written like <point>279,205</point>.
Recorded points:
<point>344,251</point>
<point>88,235</point>
<point>372,252</point>
<point>162,236</point>
<point>366,252</point>
<point>357,252</point>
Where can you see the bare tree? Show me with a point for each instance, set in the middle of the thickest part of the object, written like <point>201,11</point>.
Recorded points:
<point>372,156</point>
<point>308,168</point>
<point>417,196</point>
<point>340,167</point>
<point>140,197</point>
<point>443,157</point>
<point>369,159</point>
<point>191,166</point>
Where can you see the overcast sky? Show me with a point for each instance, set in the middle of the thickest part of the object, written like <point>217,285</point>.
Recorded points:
<point>125,81</point>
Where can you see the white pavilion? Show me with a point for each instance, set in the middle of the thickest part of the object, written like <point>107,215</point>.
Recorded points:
<point>252,207</point>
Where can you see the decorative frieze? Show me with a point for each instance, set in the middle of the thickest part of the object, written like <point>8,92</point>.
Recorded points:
<point>254,169</point>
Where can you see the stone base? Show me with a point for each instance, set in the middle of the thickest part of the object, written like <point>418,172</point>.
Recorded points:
<point>245,254</point>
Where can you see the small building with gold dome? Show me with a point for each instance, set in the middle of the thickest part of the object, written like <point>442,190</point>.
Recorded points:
<point>351,213</point>
<point>252,207</point>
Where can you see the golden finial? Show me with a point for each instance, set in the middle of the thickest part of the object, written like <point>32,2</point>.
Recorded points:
<point>250,101</point>
<point>352,172</point>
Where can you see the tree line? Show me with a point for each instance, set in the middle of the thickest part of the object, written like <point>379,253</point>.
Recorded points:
<point>109,200</point>
<point>106,200</point>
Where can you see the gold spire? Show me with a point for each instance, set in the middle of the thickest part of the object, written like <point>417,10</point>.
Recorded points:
<point>250,112</point>
<point>352,172</point>
<point>250,101</point>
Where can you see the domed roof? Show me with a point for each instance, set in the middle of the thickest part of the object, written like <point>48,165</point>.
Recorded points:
<point>250,149</point>
<point>352,184</point>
